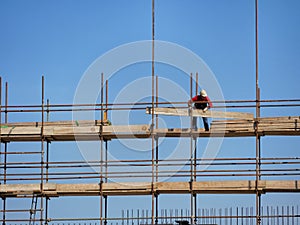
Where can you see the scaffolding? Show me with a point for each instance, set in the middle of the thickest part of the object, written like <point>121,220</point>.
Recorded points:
<point>42,179</point>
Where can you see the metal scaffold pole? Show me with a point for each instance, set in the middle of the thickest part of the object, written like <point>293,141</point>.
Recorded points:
<point>5,149</point>
<point>257,136</point>
<point>106,141</point>
<point>106,152</point>
<point>47,165</point>
<point>156,138</point>
<point>156,152</point>
<point>42,150</point>
<point>192,159</point>
<point>153,194</point>
<point>195,160</point>
<point>3,199</point>
<point>0,109</point>
<point>101,147</point>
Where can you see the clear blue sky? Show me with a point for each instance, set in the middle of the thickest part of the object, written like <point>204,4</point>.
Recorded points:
<point>61,39</point>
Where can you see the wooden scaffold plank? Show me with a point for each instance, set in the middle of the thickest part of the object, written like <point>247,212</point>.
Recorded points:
<point>91,130</point>
<point>200,113</point>
<point>145,188</point>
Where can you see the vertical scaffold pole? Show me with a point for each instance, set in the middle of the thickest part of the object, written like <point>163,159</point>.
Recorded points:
<point>42,150</point>
<point>6,102</point>
<point>5,145</point>
<point>5,150</point>
<point>152,117</point>
<point>0,110</point>
<point>191,155</point>
<point>156,125</point>
<point>258,150</point>
<point>191,123</point>
<point>47,164</point>
<point>105,118</point>
<point>195,139</point>
<point>101,150</point>
<point>156,152</point>
<point>0,105</point>
<point>106,152</point>
<point>3,199</point>
<point>47,146</point>
<point>197,83</point>
<point>101,127</point>
<point>195,160</point>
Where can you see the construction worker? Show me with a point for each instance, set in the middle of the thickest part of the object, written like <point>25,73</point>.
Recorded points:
<point>203,102</point>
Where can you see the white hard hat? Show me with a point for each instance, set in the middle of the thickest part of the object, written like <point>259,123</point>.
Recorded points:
<point>203,93</point>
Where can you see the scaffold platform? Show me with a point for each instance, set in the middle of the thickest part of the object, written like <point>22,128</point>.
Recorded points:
<point>146,188</point>
<point>93,130</point>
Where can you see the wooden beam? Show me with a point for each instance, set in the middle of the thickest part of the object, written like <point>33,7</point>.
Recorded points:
<point>265,126</point>
<point>91,130</point>
<point>72,133</point>
<point>200,113</point>
<point>145,188</point>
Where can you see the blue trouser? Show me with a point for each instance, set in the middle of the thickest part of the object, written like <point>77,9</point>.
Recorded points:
<point>205,122</point>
